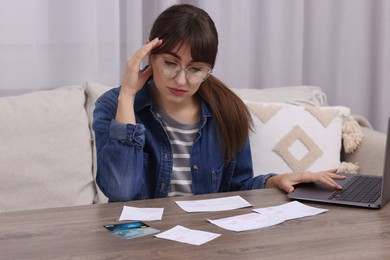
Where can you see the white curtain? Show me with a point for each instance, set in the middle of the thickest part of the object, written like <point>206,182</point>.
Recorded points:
<point>51,43</point>
<point>342,46</point>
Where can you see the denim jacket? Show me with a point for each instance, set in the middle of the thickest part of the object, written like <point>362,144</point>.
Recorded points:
<point>135,161</point>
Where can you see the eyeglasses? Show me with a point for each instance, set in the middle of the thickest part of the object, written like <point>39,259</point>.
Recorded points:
<point>194,74</point>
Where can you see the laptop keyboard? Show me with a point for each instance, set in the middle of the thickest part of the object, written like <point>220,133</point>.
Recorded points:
<point>360,189</point>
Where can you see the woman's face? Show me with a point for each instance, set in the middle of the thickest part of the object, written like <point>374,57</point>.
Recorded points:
<point>177,89</point>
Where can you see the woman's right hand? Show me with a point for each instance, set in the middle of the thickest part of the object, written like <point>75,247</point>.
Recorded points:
<point>135,78</point>
<point>133,81</point>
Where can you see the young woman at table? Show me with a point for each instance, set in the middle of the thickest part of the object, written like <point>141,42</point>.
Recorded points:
<point>173,128</point>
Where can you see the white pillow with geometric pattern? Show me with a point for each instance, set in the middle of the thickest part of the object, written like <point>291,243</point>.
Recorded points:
<point>295,138</point>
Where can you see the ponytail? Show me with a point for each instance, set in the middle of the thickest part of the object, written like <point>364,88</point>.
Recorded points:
<point>231,115</point>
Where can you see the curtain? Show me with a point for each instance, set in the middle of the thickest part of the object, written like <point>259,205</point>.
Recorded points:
<point>50,43</point>
<point>341,46</point>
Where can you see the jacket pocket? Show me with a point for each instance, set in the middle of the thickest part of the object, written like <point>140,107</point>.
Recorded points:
<point>227,176</point>
<point>216,177</point>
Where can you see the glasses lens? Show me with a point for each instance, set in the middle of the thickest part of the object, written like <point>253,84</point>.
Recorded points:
<point>169,69</point>
<point>197,74</point>
<point>194,74</point>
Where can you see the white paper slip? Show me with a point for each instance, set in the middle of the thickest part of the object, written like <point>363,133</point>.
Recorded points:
<point>219,204</point>
<point>265,217</point>
<point>290,210</point>
<point>141,214</point>
<point>246,222</point>
<point>188,236</point>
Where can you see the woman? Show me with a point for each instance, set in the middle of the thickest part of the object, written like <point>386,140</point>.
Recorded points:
<point>173,128</point>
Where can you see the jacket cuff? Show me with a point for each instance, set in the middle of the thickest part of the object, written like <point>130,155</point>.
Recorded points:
<point>261,180</point>
<point>128,133</point>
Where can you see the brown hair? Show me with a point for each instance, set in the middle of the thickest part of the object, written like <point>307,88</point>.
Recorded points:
<point>185,23</point>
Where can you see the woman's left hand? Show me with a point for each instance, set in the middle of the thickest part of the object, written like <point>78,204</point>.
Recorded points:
<point>287,181</point>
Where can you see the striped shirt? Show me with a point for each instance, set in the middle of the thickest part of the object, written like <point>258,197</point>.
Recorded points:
<point>181,137</point>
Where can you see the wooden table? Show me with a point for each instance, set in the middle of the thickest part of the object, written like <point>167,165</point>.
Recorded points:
<point>78,233</point>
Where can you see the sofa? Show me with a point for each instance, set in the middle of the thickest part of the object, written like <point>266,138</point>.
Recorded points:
<point>48,157</point>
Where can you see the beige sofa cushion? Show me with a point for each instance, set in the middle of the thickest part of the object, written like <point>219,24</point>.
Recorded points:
<point>45,151</point>
<point>307,95</point>
<point>94,91</point>
<point>370,155</point>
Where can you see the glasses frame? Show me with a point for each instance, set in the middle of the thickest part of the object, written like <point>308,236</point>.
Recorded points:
<point>186,71</point>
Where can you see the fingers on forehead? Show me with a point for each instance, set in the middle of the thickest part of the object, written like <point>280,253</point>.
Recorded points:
<point>145,50</point>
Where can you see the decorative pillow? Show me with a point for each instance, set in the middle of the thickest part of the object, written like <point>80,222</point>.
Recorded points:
<point>295,138</point>
<point>45,150</point>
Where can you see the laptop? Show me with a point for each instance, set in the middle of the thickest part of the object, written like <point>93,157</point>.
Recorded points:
<point>375,191</point>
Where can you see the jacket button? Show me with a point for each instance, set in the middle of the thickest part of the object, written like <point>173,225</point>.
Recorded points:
<point>196,167</point>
